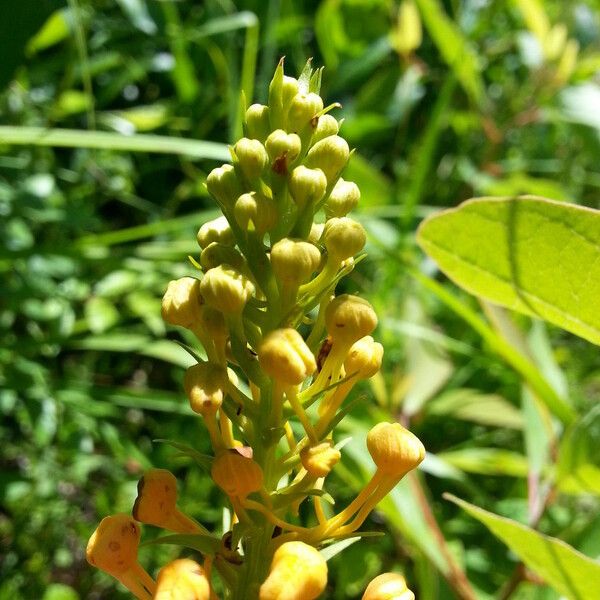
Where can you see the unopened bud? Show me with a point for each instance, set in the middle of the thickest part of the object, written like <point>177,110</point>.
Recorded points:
<point>349,318</point>
<point>226,289</point>
<point>394,449</point>
<point>343,237</point>
<point>283,149</point>
<point>217,230</point>
<point>326,126</point>
<point>253,211</point>
<point>222,183</point>
<point>307,186</point>
<point>257,122</point>
<point>182,579</point>
<point>252,157</point>
<point>289,89</point>
<point>303,109</point>
<point>298,572</point>
<point>343,198</point>
<point>294,261</point>
<point>318,460</point>
<point>364,358</point>
<point>388,586</point>
<point>182,302</point>
<point>205,385</point>
<point>330,155</point>
<point>236,475</point>
<point>285,357</point>
<point>216,254</point>
<point>113,548</point>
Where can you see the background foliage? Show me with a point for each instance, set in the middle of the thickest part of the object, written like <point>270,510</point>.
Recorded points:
<point>495,98</point>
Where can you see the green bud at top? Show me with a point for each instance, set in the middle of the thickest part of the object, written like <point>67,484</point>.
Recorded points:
<point>289,88</point>
<point>257,122</point>
<point>343,237</point>
<point>283,149</point>
<point>307,186</point>
<point>217,230</point>
<point>303,111</point>
<point>252,157</point>
<point>222,183</point>
<point>255,212</point>
<point>226,289</point>
<point>294,261</point>
<point>326,126</point>
<point>216,254</point>
<point>343,198</point>
<point>330,155</point>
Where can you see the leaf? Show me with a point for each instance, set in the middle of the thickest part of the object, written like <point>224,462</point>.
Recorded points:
<point>202,460</point>
<point>453,47</point>
<point>330,551</point>
<point>565,569</point>
<point>73,138</point>
<point>100,314</point>
<point>471,405</point>
<point>487,461</point>
<point>206,544</point>
<point>530,254</point>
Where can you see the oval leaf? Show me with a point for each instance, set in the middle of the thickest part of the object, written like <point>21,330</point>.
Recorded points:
<point>533,255</point>
<point>565,569</point>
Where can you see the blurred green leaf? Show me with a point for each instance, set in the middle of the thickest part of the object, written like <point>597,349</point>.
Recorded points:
<point>530,254</point>
<point>100,314</point>
<point>487,461</point>
<point>561,566</point>
<point>60,591</point>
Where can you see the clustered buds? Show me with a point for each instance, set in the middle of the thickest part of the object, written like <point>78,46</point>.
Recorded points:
<point>279,353</point>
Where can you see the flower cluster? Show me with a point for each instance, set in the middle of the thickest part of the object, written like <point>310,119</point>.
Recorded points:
<point>281,354</point>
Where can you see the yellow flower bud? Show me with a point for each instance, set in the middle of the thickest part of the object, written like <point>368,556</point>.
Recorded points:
<point>303,109</point>
<point>364,358</point>
<point>226,289</point>
<point>223,185</point>
<point>343,237</point>
<point>294,261</point>
<point>182,302</point>
<point>236,475</point>
<point>182,579</point>
<point>156,503</point>
<point>252,157</point>
<point>205,385</point>
<point>326,126</point>
<point>298,572</point>
<point>330,155</point>
<point>283,149</point>
<point>343,198</point>
<point>388,586</point>
<point>216,254</point>
<point>257,122</point>
<point>394,449</point>
<point>217,230</point>
<point>318,460</point>
<point>307,186</point>
<point>349,318</point>
<point>285,357</point>
<point>257,212</point>
<point>113,548</point>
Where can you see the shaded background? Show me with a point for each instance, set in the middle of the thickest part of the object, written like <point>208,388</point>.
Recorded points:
<point>490,100</point>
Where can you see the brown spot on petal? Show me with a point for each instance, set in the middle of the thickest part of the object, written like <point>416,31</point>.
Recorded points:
<point>114,546</point>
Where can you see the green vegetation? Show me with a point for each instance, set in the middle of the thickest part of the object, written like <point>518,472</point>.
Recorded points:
<point>111,116</point>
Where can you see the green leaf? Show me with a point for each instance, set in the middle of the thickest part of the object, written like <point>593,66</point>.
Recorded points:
<point>206,544</point>
<point>453,47</point>
<point>530,254</point>
<point>202,460</point>
<point>100,314</point>
<point>565,569</point>
<point>73,138</point>
<point>487,461</point>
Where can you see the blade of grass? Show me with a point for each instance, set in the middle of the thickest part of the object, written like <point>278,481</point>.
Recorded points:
<point>74,138</point>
